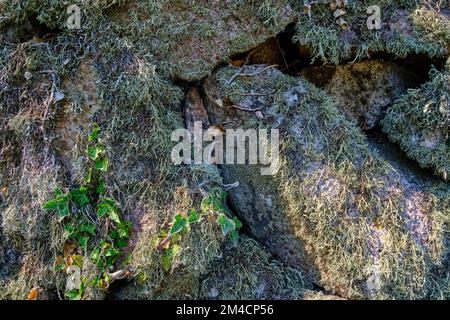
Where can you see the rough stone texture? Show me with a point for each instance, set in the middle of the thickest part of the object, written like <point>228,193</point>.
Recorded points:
<point>250,272</point>
<point>194,110</point>
<point>364,90</point>
<point>75,117</point>
<point>407,27</point>
<point>189,40</point>
<point>337,210</point>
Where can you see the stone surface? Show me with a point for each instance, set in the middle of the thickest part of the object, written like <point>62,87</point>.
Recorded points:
<point>337,209</point>
<point>364,90</point>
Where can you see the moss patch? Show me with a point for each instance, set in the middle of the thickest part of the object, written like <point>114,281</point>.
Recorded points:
<point>403,31</point>
<point>419,123</point>
<point>249,272</point>
<point>364,229</point>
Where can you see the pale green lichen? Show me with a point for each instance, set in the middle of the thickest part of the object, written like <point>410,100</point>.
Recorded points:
<point>249,272</point>
<point>341,201</point>
<point>133,49</point>
<point>419,123</point>
<point>402,32</point>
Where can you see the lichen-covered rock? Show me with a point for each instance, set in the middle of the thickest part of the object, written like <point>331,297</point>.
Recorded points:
<point>249,272</point>
<point>336,209</point>
<point>51,94</point>
<point>406,27</point>
<point>419,122</point>
<point>56,82</point>
<point>189,39</point>
<point>364,89</point>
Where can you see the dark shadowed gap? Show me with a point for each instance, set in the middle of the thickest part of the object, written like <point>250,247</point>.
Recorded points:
<point>32,28</point>
<point>292,58</point>
<point>281,51</point>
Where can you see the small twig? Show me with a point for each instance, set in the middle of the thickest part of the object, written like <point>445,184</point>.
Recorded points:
<point>239,74</point>
<point>119,275</point>
<point>203,183</point>
<point>245,109</point>
<point>257,72</point>
<point>227,187</point>
<point>167,238</point>
<point>282,54</point>
<point>59,294</point>
<point>52,93</point>
<point>234,77</point>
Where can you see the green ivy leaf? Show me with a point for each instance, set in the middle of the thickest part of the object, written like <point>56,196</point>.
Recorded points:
<point>102,164</point>
<point>226,224</point>
<point>51,205</point>
<point>60,205</point>
<point>83,242</point>
<point>88,176</point>
<point>214,202</point>
<point>95,255</point>
<point>194,216</point>
<point>58,192</point>
<point>169,255</point>
<point>104,245</point>
<point>105,207</point>
<point>63,210</point>
<point>74,294</point>
<point>121,243</point>
<point>176,238</point>
<point>234,237</point>
<point>95,282</point>
<point>114,216</point>
<point>112,252</point>
<point>80,196</point>
<point>178,225</point>
<point>94,133</point>
<point>78,261</point>
<point>101,187</point>
<point>237,223</point>
<point>59,267</point>
<point>70,231</point>
<point>166,260</point>
<point>176,249</point>
<point>93,152</point>
<point>88,228</point>
<point>123,232</point>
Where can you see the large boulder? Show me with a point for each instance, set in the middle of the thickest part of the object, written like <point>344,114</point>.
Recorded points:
<point>188,39</point>
<point>48,109</point>
<point>336,209</point>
